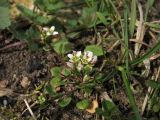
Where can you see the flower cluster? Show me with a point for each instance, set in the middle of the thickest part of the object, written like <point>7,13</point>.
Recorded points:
<point>50,31</point>
<point>81,61</point>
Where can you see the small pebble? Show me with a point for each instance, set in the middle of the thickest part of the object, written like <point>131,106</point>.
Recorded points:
<point>5,102</point>
<point>25,82</point>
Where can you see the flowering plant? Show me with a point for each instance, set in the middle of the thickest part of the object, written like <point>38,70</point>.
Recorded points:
<point>46,32</point>
<point>82,62</point>
<point>50,31</point>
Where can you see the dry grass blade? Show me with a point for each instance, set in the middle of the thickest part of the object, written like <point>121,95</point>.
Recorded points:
<point>140,31</point>
<point>29,109</point>
<point>150,90</point>
<point>6,92</point>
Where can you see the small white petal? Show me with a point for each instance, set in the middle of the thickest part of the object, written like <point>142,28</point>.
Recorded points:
<point>45,29</point>
<point>52,28</point>
<point>89,59</point>
<point>85,54</point>
<point>55,33</point>
<point>70,56</point>
<point>78,54</point>
<point>69,64</point>
<point>94,60</point>
<point>48,33</point>
<point>90,54</point>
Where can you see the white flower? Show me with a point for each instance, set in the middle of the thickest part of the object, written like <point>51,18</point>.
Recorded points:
<point>75,56</point>
<point>94,60</point>
<point>81,61</point>
<point>70,56</point>
<point>55,33</point>
<point>78,53</point>
<point>88,56</point>
<point>52,28</point>
<point>50,31</point>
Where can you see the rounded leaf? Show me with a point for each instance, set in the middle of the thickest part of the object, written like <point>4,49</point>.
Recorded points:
<point>97,50</point>
<point>82,104</point>
<point>64,102</point>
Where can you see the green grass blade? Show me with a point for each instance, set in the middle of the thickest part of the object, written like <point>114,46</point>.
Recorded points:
<point>126,40</point>
<point>147,55</point>
<point>148,6</point>
<point>133,16</point>
<point>116,11</point>
<point>129,93</point>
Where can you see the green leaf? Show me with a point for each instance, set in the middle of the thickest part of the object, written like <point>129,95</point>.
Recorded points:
<point>49,90</point>
<point>73,35</point>
<point>82,104</point>
<point>32,37</point>
<point>27,12</point>
<point>129,92</point>
<point>153,25</point>
<point>102,18</point>
<point>33,16</point>
<point>56,82</point>
<point>88,17</point>
<point>99,77</point>
<point>49,6</point>
<point>56,71</point>
<point>4,3</point>
<point>97,50</point>
<point>148,6</point>
<point>156,107</point>
<point>66,72</point>
<point>64,102</point>
<point>108,105</point>
<point>99,111</point>
<point>62,47</point>
<point>153,84</point>
<point>133,16</point>
<point>4,18</point>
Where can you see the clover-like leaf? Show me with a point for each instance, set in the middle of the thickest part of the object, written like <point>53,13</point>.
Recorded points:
<point>82,104</point>
<point>4,17</point>
<point>56,71</point>
<point>64,102</point>
<point>97,50</point>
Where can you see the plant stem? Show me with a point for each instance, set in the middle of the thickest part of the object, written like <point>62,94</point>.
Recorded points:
<point>129,93</point>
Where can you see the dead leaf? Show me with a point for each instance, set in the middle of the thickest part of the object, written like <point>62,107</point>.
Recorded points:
<point>92,108</point>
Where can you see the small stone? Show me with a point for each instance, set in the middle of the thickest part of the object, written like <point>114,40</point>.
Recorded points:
<point>3,83</point>
<point>5,102</point>
<point>25,82</point>
<point>50,57</point>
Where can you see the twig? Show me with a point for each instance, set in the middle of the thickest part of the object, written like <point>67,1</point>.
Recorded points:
<point>113,46</point>
<point>29,109</point>
<point>154,57</point>
<point>12,45</point>
<point>143,43</point>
